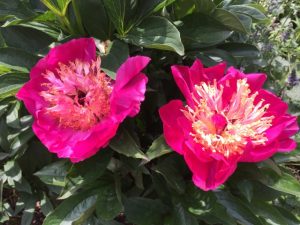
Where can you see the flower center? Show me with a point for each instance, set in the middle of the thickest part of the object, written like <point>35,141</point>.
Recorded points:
<point>226,128</point>
<point>78,94</point>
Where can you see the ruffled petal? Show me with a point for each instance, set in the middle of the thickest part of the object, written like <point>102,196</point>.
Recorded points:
<point>182,78</point>
<point>215,72</point>
<point>260,153</point>
<point>29,94</point>
<point>129,88</point>
<point>83,49</point>
<point>74,144</point>
<point>169,114</point>
<point>256,80</point>
<point>210,174</point>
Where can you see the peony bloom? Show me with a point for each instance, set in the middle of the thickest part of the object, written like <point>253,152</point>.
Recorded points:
<point>76,107</point>
<point>226,119</point>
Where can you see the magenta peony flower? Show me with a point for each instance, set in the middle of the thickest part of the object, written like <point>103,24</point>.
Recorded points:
<point>227,119</point>
<point>76,107</point>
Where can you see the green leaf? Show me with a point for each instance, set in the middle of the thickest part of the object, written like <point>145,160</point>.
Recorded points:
<point>17,59</point>
<point>158,33</point>
<point>26,38</point>
<point>124,143</point>
<point>143,211</point>
<point>248,10</point>
<point>12,117</point>
<point>238,209</point>
<point>284,183</point>
<point>12,172</point>
<point>229,20</point>
<point>9,8</point>
<point>246,188</point>
<point>204,6</point>
<point>94,167</point>
<point>241,50</point>
<point>169,169</point>
<point>181,217</point>
<point>293,156</point>
<point>22,139</point>
<point>10,83</point>
<point>117,54</point>
<point>108,204</point>
<point>158,148</point>
<point>290,217</point>
<point>268,212</point>
<point>198,202</point>
<point>119,12</point>
<point>54,174</point>
<point>74,210</point>
<point>91,11</point>
<point>200,31</point>
<point>182,8</point>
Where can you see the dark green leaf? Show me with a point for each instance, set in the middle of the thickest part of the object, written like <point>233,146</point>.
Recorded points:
<point>21,139</point>
<point>200,31</point>
<point>229,20</point>
<point>241,50</point>
<point>238,209</point>
<point>26,38</point>
<point>268,212</point>
<point>108,204</point>
<point>169,169</point>
<point>91,11</point>
<point>181,217</point>
<point>248,10</point>
<point>143,211</point>
<point>16,8</point>
<point>17,59</point>
<point>246,188</point>
<point>74,210</point>
<point>158,148</point>
<point>124,143</point>
<point>54,174</point>
<point>293,156</point>
<point>284,183</point>
<point>157,33</point>
<point>205,6</point>
<point>117,54</point>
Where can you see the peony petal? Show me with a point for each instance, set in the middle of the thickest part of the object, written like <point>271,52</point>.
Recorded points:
<point>29,94</point>
<point>129,88</point>
<point>256,80</point>
<point>211,174</point>
<point>182,78</point>
<point>260,153</point>
<point>83,49</point>
<point>276,106</point>
<point>99,137</point>
<point>215,72</point>
<point>173,132</point>
<point>287,145</point>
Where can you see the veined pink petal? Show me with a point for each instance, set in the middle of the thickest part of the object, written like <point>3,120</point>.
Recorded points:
<point>83,49</point>
<point>129,88</point>
<point>169,114</point>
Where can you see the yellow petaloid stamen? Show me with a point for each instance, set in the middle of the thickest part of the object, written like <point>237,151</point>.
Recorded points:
<point>226,129</point>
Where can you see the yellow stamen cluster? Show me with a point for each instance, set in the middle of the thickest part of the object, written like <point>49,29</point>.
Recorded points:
<point>245,120</point>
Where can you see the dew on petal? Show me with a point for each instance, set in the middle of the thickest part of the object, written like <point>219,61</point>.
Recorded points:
<point>78,94</point>
<point>226,128</point>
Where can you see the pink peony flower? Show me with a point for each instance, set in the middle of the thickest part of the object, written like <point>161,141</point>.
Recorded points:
<point>76,107</point>
<point>227,119</point>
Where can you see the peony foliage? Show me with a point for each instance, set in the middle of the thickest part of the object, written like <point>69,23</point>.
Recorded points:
<point>148,112</point>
